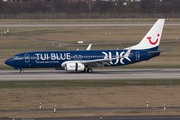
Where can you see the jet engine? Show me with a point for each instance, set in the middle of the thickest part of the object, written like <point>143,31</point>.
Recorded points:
<point>74,67</point>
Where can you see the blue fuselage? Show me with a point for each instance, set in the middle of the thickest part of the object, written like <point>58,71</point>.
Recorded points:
<point>54,59</point>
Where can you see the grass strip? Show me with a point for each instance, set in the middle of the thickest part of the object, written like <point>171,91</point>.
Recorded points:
<point>90,83</point>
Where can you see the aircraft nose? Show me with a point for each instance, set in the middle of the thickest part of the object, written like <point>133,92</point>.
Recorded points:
<point>8,62</point>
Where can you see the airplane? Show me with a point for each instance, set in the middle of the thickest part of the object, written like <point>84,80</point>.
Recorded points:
<point>85,60</point>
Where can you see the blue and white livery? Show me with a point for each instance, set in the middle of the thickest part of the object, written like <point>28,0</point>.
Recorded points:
<point>85,60</point>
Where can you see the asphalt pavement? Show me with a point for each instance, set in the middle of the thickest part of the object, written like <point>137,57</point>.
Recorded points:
<point>106,118</point>
<point>98,74</point>
<point>86,25</point>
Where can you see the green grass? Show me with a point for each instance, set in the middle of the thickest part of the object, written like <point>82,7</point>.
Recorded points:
<point>82,83</point>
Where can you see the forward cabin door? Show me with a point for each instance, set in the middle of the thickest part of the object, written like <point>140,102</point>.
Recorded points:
<point>27,58</point>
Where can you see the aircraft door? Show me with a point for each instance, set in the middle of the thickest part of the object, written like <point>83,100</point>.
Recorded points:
<point>27,58</point>
<point>137,55</point>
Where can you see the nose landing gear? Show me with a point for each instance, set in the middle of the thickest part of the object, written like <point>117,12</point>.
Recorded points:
<point>21,71</point>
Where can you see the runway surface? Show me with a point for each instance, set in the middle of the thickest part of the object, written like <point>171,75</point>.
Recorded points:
<point>94,109</point>
<point>101,109</point>
<point>98,74</point>
<point>107,118</point>
<point>86,25</point>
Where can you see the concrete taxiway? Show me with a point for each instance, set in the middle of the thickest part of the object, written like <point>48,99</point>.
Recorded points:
<point>98,74</point>
<point>107,118</point>
<point>86,25</point>
<point>100,117</point>
<point>94,109</point>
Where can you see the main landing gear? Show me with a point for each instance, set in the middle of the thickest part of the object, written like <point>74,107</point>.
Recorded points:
<point>88,70</point>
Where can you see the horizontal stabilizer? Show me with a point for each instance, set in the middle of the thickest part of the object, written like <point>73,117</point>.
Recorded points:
<point>159,51</point>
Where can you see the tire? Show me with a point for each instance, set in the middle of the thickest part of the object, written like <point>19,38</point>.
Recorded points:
<point>89,70</point>
<point>21,71</point>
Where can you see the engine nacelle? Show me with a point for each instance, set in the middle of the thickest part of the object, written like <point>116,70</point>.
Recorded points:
<point>74,67</point>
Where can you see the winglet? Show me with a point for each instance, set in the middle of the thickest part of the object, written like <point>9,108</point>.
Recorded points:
<point>89,47</point>
<point>127,54</point>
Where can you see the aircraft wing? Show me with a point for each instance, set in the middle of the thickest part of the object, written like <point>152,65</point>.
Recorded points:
<point>97,62</point>
<point>105,61</point>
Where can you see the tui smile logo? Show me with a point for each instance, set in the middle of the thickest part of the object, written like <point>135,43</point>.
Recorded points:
<point>153,43</point>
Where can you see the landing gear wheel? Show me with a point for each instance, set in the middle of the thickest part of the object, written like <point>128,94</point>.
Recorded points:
<point>89,70</point>
<point>21,71</point>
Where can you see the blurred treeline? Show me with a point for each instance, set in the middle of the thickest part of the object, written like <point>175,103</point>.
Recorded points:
<point>98,7</point>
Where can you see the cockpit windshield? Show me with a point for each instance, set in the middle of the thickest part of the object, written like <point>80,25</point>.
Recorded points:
<point>15,57</point>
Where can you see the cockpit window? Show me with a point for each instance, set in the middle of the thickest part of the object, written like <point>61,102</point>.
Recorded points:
<point>15,57</point>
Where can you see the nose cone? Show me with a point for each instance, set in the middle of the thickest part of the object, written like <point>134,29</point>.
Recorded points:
<point>9,62</point>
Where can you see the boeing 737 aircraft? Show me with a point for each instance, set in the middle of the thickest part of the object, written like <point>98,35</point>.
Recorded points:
<point>85,60</point>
